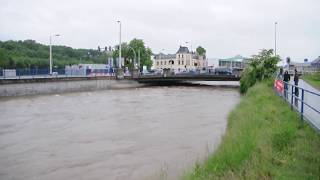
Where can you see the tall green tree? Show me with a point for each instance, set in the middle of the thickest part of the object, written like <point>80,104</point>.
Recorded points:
<point>139,49</point>
<point>261,66</point>
<point>201,51</point>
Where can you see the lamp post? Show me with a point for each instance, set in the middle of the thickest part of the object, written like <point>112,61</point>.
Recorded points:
<point>119,63</point>
<point>275,38</point>
<point>50,52</point>
<point>135,57</point>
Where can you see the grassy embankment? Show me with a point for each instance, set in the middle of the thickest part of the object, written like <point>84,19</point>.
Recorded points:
<point>264,140</point>
<point>312,79</point>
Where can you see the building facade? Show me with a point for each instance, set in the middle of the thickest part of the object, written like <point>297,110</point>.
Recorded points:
<point>305,67</point>
<point>183,60</point>
<point>234,62</point>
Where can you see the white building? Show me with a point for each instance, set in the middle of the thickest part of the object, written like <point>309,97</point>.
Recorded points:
<point>234,62</point>
<point>183,60</point>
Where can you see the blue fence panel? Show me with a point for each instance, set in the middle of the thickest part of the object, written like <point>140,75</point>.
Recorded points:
<point>305,102</point>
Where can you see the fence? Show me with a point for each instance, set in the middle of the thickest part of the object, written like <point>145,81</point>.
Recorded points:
<point>304,101</point>
<point>45,73</point>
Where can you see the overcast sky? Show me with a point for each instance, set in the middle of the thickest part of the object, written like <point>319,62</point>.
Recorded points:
<point>224,27</point>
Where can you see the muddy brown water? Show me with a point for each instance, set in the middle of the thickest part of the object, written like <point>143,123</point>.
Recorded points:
<point>142,133</point>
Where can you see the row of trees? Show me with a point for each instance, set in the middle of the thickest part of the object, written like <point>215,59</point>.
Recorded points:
<point>261,66</point>
<point>30,54</point>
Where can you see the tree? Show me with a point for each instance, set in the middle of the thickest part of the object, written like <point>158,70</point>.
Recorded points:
<point>201,51</point>
<point>139,48</point>
<point>29,53</point>
<point>261,66</point>
<point>145,52</point>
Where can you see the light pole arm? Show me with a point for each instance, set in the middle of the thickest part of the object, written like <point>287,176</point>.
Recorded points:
<point>134,52</point>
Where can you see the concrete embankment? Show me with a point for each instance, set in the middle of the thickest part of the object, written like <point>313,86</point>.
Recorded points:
<point>61,85</point>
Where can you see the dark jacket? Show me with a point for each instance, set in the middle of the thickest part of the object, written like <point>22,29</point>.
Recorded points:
<point>286,77</point>
<point>296,79</point>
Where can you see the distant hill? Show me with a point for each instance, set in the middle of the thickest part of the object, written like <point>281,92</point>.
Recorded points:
<point>30,54</point>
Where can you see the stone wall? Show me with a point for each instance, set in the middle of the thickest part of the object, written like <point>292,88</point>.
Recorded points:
<point>34,88</point>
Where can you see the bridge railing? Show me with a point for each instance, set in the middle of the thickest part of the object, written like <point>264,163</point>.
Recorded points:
<point>302,100</point>
<point>35,73</point>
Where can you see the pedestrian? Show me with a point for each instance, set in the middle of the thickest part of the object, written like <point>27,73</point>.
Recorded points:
<point>280,75</point>
<point>286,80</point>
<point>296,89</point>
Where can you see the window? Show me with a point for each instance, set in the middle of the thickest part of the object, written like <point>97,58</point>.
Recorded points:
<point>165,63</point>
<point>179,62</point>
<point>157,63</point>
<point>182,55</point>
<point>182,62</point>
<point>161,63</point>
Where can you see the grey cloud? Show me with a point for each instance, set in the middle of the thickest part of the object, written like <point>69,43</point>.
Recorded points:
<point>224,27</point>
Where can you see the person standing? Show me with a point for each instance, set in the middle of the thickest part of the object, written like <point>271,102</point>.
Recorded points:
<point>296,89</point>
<point>286,79</point>
<point>280,75</point>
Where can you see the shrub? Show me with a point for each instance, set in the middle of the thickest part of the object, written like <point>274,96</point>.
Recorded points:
<point>261,66</point>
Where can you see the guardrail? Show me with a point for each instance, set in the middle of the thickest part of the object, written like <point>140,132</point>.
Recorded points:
<point>304,101</point>
<point>57,73</point>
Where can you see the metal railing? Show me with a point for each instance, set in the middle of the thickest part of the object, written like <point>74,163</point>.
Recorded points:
<point>57,73</point>
<point>304,101</point>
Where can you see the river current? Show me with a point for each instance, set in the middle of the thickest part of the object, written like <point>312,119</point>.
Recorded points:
<point>142,133</point>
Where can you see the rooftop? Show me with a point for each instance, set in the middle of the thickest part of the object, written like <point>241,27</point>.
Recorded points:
<point>164,56</point>
<point>316,61</point>
<point>183,49</point>
<point>238,58</point>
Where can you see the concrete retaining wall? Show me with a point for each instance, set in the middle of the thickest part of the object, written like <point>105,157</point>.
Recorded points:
<point>21,89</point>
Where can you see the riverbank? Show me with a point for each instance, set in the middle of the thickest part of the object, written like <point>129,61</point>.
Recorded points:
<point>64,86</point>
<point>264,140</point>
<point>313,79</point>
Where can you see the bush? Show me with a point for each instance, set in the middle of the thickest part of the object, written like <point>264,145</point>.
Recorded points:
<point>260,67</point>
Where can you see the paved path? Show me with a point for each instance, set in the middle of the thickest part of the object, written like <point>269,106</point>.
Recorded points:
<point>310,99</point>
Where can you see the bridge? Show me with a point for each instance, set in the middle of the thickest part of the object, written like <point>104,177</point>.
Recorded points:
<point>171,79</point>
<point>147,79</point>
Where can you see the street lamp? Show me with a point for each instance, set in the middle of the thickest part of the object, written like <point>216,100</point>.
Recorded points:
<point>135,59</point>
<point>120,63</point>
<point>275,38</point>
<point>50,53</point>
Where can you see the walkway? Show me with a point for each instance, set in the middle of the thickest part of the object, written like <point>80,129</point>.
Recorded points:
<point>312,99</point>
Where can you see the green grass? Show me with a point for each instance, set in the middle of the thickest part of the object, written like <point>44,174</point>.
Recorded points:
<point>264,140</point>
<point>313,79</point>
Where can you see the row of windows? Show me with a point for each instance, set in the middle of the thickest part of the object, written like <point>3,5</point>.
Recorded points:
<point>181,56</point>
<point>171,62</point>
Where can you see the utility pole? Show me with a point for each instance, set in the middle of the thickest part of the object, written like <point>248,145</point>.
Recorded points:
<point>139,59</point>
<point>275,38</point>
<point>50,53</point>
<point>119,63</point>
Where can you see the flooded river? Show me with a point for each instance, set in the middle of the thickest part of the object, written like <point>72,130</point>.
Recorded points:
<point>143,133</point>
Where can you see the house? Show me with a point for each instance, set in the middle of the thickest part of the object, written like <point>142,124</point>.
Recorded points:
<point>182,60</point>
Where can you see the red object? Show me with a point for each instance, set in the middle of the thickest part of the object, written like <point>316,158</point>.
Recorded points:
<point>278,84</point>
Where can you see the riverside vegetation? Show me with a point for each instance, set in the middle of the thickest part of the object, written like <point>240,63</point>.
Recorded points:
<point>30,54</point>
<point>265,139</point>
